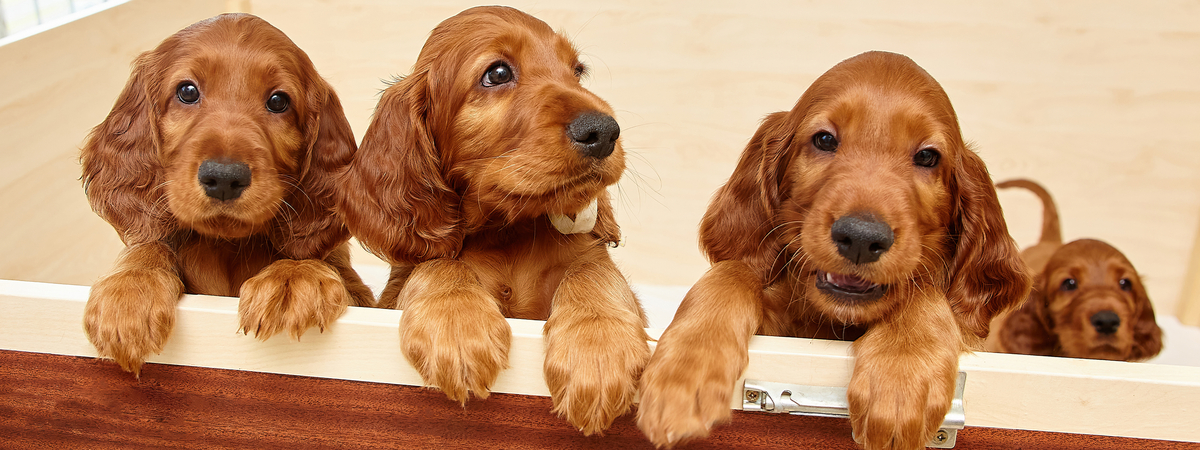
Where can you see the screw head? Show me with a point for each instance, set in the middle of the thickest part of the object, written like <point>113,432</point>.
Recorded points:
<point>941,437</point>
<point>752,396</point>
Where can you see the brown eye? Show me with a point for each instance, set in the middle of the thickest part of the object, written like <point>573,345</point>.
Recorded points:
<point>278,102</point>
<point>1068,285</point>
<point>1126,284</point>
<point>187,92</point>
<point>824,141</point>
<point>580,70</point>
<point>496,75</point>
<point>927,158</point>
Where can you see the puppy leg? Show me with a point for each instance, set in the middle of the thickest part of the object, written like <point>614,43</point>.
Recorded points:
<point>452,330</point>
<point>130,312</point>
<point>688,383</point>
<point>397,278</point>
<point>904,373</point>
<point>360,294</point>
<point>595,344</point>
<point>292,295</point>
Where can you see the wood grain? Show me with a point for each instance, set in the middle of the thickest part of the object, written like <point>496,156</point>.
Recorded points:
<point>53,402</point>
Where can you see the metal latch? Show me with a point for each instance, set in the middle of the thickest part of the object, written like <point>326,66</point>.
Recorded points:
<point>780,398</point>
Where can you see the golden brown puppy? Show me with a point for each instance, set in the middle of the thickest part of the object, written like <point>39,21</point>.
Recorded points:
<point>215,166</point>
<point>860,214</point>
<point>482,181</point>
<point>1087,299</point>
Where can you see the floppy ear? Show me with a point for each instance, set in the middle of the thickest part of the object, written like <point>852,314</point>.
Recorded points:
<point>987,274</point>
<point>315,230</point>
<point>121,165</point>
<point>1027,331</point>
<point>606,228</point>
<point>1147,337</point>
<point>393,195</point>
<point>740,216</point>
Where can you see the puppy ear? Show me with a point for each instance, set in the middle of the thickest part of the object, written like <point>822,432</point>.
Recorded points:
<point>313,230</point>
<point>1147,337</point>
<point>121,166</point>
<point>1026,330</point>
<point>393,195</point>
<point>606,228</point>
<point>740,216</point>
<point>987,274</point>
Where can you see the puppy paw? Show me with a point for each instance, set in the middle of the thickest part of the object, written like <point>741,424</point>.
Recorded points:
<point>592,371</point>
<point>897,409</point>
<point>291,296</point>
<point>686,389</point>
<point>130,314</point>
<point>459,344</point>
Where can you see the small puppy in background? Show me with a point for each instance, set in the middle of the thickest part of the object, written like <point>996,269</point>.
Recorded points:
<point>861,214</point>
<point>216,167</point>
<point>482,180</point>
<point>1087,299</point>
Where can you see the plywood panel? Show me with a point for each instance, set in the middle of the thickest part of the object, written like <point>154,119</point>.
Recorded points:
<point>1002,391</point>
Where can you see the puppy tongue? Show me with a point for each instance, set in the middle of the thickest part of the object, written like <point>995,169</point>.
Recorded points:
<point>850,282</point>
<point>584,221</point>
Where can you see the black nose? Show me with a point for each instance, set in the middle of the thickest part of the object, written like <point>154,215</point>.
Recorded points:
<point>1106,322</point>
<point>861,239</point>
<point>595,134</point>
<point>224,181</point>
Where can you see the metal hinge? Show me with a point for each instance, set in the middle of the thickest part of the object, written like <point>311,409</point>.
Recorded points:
<point>781,398</point>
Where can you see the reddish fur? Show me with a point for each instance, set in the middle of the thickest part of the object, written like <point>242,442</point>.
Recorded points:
<point>1054,322</point>
<point>952,267</point>
<point>452,185</point>
<point>140,174</point>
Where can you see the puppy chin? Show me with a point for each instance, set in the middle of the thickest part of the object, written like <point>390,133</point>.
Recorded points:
<point>583,222</point>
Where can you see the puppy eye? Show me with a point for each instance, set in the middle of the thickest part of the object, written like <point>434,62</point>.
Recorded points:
<point>927,158</point>
<point>1126,284</point>
<point>1068,284</point>
<point>496,75</point>
<point>580,70</point>
<point>278,102</point>
<point>825,142</point>
<point>187,92</point>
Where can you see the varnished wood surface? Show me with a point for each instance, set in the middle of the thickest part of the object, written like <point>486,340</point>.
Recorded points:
<point>54,402</point>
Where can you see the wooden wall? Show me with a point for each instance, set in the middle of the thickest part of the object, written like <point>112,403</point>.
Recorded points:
<point>1098,100</point>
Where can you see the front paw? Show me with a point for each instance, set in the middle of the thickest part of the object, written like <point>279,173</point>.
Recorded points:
<point>459,345</point>
<point>592,371</point>
<point>687,389</point>
<point>895,409</point>
<point>292,296</point>
<point>130,314</point>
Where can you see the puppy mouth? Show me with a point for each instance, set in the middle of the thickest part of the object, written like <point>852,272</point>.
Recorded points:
<point>849,288</point>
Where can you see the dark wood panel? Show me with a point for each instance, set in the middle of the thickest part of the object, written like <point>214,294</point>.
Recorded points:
<point>54,402</point>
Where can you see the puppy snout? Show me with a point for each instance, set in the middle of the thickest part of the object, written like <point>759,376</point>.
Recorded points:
<point>1106,322</point>
<point>594,134</point>
<point>224,181</point>
<point>861,238</point>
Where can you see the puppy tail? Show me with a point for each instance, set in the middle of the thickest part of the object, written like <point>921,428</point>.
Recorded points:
<point>1051,229</point>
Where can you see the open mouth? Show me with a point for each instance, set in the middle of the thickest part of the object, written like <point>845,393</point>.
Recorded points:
<point>849,287</point>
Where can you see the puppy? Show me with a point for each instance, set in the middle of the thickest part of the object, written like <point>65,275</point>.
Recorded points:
<point>1087,299</point>
<point>860,214</point>
<point>216,167</point>
<point>482,179</point>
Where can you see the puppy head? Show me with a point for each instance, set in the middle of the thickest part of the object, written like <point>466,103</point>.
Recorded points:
<point>862,183</point>
<point>1096,305</point>
<point>217,128</point>
<point>492,127</point>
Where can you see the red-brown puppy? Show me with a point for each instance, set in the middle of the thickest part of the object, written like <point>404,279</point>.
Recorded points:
<point>1087,299</point>
<point>215,166</point>
<point>860,214</point>
<point>466,182</point>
